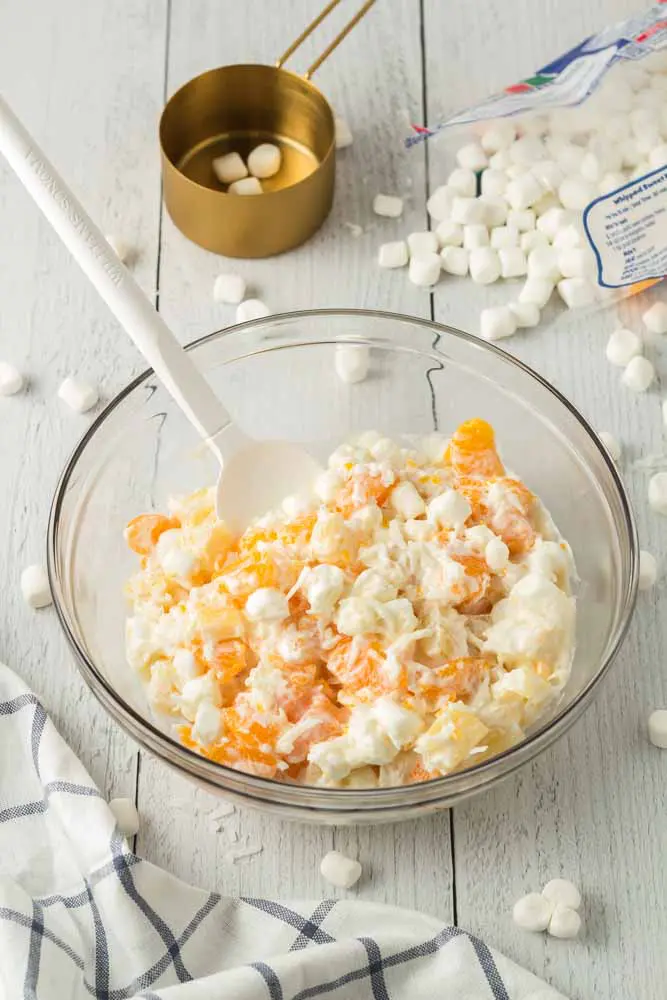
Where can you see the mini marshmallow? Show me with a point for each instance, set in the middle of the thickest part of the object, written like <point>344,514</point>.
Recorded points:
<point>352,362</point>
<point>567,238</point>
<point>496,323</point>
<point>522,219</point>
<point>512,262</point>
<point>472,156</point>
<point>575,262</point>
<point>525,313</point>
<point>247,185</point>
<point>388,206</point>
<point>526,150</point>
<point>229,168</point>
<point>658,156</point>
<point>648,570</point>
<point>576,193</point>
<point>592,168</point>
<point>119,247</point>
<point>500,160</point>
<point>532,912</point>
<point>484,264</point>
<point>425,271</point>
<point>449,234</point>
<point>543,263</point>
<point>576,293</point>
<point>394,254</point>
<point>406,501</point>
<point>537,291</point>
<point>643,123</point>
<point>655,318</point>
<point>454,260</point>
<point>251,309</point>
<point>611,444</point>
<point>553,220</point>
<point>496,555</point>
<point>468,211</point>
<point>657,493</point>
<point>639,373</point>
<point>229,288</point>
<point>343,135</point>
<point>79,396</point>
<point>562,892</point>
<point>533,239</point>
<point>494,182</point>
<point>126,816</point>
<point>499,135</point>
<point>610,182</point>
<point>504,237</point>
<point>622,346</point>
<point>439,205</point>
<point>570,158</point>
<point>475,235</point>
<point>265,160</point>
<point>463,182</point>
<point>524,191</point>
<point>657,728</point>
<point>565,923</point>
<point>35,587</point>
<point>340,871</point>
<point>548,201</point>
<point>11,380</point>
<point>495,209</point>
<point>548,173</point>
<point>422,243</point>
<point>630,153</point>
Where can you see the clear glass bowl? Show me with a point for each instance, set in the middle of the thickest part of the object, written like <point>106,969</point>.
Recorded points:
<point>277,378</point>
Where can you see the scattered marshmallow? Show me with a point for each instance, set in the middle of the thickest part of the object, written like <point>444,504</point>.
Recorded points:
<point>524,192</point>
<point>463,182</point>
<point>655,318</point>
<point>126,816</point>
<point>247,185</point>
<point>439,205</point>
<point>35,587</point>
<point>454,260</point>
<point>229,288</point>
<point>611,444</point>
<point>512,262</point>
<point>251,309</point>
<point>388,205</point>
<point>543,263</point>
<point>657,493</point>
<point>119,247</point>
<point>522,219</point>
<point>648,570</point>
<point>340,871</point>
<point>498,136</point>
<point>495,209</point>
<point>553,220</point>
<point>537,291</point>
<point>11,380</point>
<point>574,262</point>
<point>532,239</point>
<point>504,237</point>
<point>525,313</point>
<point>532,912</point>
<point>425,271</point>
<point>343,135</point>
<point>79,396</point>
<point>565,923</point>
<point>484,264</point>
<point>639,374</point>
<point>449,234</point>
<point>562,892</point>
<point>526,150</point>
<point>422,243</point>
<point>657,728</point>
<point>352,362</point>
<point>467,211</point>
<point>229,168</point>
<point>576,193</point>
<point>494,182</point>
<point>265,160</point>
<point>475,235</point>
<point>576,293</point>
<point>622,346</point>
<point>497,322</point>
<point>394,254</point>
<point>472,156</point>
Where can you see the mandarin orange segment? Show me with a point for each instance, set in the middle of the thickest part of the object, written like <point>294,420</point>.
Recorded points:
<point>456,680</point>
<point>143,532</point>
<point>472,450</point>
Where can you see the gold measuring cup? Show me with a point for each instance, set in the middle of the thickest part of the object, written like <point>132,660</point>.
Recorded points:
<point>234,108</point>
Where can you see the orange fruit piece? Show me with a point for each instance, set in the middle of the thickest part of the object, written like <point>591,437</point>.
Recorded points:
<point>142,532</point>
<point>472,450</point>
<point>359,491</point>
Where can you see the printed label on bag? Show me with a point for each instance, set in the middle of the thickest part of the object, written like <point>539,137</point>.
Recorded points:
<point>627,230</point>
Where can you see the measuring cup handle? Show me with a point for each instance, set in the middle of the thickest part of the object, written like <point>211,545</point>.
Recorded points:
<point>333,45</point>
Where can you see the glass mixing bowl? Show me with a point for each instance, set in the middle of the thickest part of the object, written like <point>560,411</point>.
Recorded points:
<point>277,378</point>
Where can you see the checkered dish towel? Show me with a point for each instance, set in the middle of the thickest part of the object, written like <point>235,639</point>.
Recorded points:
<point>81,916</point>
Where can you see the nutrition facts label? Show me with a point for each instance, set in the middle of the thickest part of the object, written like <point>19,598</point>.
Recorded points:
<point>627,230</point>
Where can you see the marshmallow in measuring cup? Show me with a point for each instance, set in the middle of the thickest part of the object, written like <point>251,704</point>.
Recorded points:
<point>264,160</point>
<point>229,168</point>
<point>246,185</point>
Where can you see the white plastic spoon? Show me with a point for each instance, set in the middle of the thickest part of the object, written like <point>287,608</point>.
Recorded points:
<point>255,475</point>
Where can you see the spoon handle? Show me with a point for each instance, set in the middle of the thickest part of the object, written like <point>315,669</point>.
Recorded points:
<point>113,281</point>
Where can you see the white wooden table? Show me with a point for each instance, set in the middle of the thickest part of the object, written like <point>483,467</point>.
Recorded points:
<point>89,79</point>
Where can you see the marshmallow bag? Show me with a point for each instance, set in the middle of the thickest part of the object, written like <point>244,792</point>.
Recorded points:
<point>570,166</point>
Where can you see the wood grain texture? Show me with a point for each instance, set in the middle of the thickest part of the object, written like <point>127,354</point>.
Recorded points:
<point>583,809</point>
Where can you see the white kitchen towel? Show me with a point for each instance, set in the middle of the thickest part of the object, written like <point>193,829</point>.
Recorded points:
<point>81,916</point>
